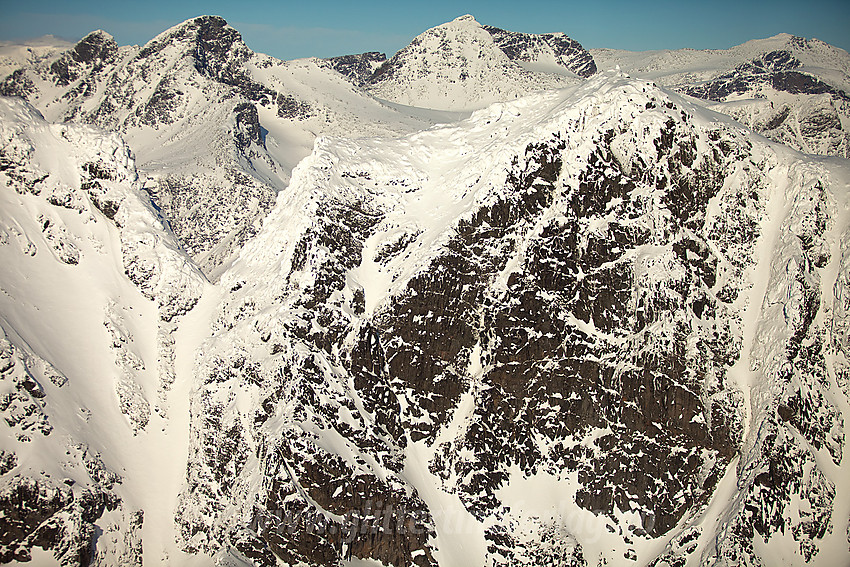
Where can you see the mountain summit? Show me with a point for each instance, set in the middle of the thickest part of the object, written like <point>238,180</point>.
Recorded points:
<point>216,128</point>
<point>464,65</point>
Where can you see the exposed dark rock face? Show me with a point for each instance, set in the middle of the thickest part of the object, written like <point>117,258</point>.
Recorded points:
<point>812,123</point>
<point>358,68</point>
<point>291,108</point>
<point>91,55</point>
<point>586,313</point>
<point>97,46</point>
<point>800,83</point>
<point>314,506</point>
<point>17,84</point>
<point>42,512</point>
<point>777,69</point>
<point>549,378</point>
<point>567,52</point>
<point>248,129</point>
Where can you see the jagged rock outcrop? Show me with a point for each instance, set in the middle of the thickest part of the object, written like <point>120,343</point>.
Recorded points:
<point>358,68</point>
<point>554,48</point>
<point>89,56</point>
<point>577,310</point>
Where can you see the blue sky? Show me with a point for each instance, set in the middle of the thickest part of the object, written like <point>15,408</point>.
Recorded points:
<point>325,28</point>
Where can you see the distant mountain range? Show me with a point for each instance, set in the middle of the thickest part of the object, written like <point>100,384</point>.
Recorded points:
<point>493,300</point>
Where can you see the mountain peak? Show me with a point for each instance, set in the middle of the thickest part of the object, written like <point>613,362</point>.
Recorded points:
<point>97,35</point>
<point>209,19</point>
<point>206,30</point>
<point>214,34</point>
<point>209,40</point>
<point>204,21</point>
<point>466,18</point>
<point>96,45</point>
<point>93,51</point>
<point>211,33</point>
<point>465,63</point>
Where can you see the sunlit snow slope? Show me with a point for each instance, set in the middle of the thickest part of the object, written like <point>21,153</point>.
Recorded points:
<point>92,288</point>
<point>215,128</point>
<point>460,65</point>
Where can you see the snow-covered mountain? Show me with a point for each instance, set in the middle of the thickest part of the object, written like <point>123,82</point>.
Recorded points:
<point>592,325</point>
<point>215,128</point>
<point>548,51</point>
<point>463,65</point>
<point>41,50</point>
<point>793,90</point>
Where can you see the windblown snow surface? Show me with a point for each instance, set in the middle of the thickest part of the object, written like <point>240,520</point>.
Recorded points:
<point>592,325</point>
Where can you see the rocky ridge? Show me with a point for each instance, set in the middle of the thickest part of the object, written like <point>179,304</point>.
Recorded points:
<point>358,68</point>
<point>556,48</point>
